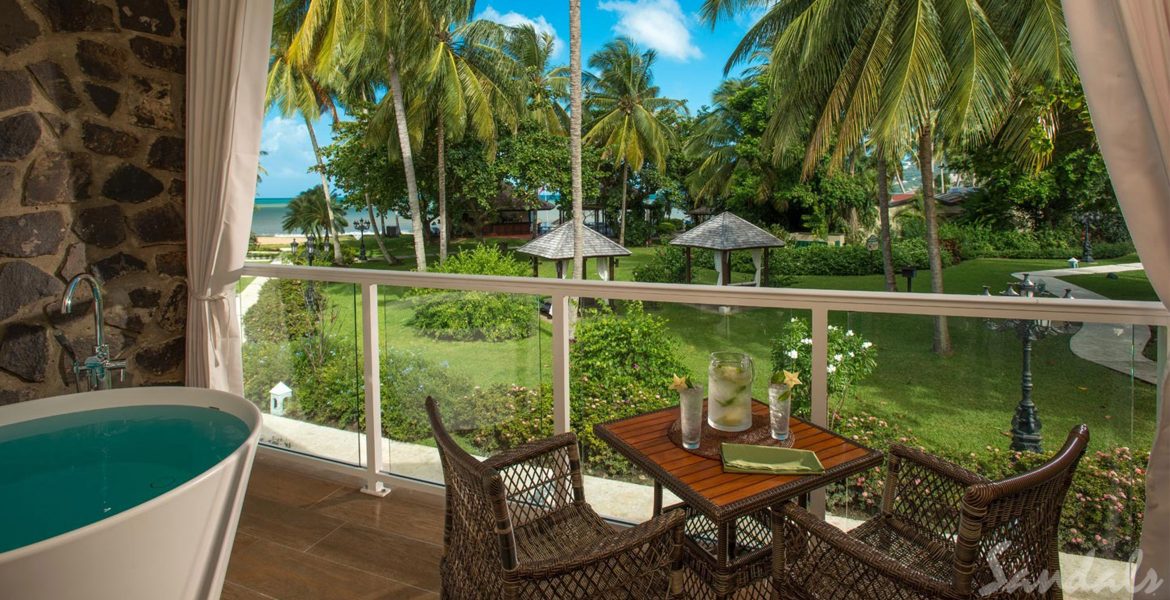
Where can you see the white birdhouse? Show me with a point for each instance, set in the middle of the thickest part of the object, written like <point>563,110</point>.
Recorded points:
<point>278,398</point>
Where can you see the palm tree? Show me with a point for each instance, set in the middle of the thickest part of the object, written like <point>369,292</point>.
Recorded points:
<point>575,138</point>
<point>542,86</point>
<point>293,90</point>
<point>715,146</point>
<point>363,44</point>
<point>625,106</point>
<point>310,212</point>
<point>465,79</point>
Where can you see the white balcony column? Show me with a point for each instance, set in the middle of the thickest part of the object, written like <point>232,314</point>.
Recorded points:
<point>560,373</point>
<point>820,388</point>
<point>373,377</point>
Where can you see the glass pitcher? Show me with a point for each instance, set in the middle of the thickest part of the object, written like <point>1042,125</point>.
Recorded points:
<point>729,391</point>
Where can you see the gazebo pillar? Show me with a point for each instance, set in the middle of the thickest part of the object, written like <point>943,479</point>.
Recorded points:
<point>613,268</point>
<point>536,266</point>
<point>560,269</point>
<point>726,258</point>
<point>688,264</point>
<point>764,278</point>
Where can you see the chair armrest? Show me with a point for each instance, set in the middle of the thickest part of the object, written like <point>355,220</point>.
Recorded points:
<point>926,491</point>
<point>530,451</point>
<point>658,540</point>
<point>808,551</point>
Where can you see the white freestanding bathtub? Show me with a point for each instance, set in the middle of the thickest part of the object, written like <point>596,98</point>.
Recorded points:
<point>174,546</point>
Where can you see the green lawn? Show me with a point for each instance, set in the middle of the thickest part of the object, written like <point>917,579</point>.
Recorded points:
<point>963,401</point>
<point>244,282</point>
<point>1129,285</point>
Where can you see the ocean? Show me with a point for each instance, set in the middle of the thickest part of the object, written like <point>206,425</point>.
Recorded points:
<point>267,213</point>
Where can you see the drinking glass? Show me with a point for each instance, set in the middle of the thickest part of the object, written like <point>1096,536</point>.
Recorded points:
<point>779,410</point>
<point>690,404</point>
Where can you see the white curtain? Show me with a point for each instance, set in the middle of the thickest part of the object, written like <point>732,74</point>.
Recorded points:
<point>1122,49</point>
<point>603,268</point>
<point>227,58</point>
<point>758,261</point>
<point>718,267</point>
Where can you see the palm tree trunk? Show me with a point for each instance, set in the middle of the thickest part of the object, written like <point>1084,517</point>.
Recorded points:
<point>441,145</point>
<point>390,258</point>
<point>942,335</point>
<point>575,138</point>
<point>325,188</point>
<point>625,184</point>
<point>883,193</point>
<point>419,231</point>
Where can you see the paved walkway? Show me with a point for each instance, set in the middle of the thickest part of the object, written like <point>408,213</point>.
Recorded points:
<point>1117,346</point>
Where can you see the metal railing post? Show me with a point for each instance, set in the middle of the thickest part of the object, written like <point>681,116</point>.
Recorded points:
<point>372,360</point>
<point>820,388</point>
<point>560,363</point>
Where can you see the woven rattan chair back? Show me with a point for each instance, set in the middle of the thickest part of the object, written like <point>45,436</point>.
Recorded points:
<point>1008,528</point>
<point>477,530</point>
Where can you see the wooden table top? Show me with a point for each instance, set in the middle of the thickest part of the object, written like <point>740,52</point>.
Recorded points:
<point>701,481</point>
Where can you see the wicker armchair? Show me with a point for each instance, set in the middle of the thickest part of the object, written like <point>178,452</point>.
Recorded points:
<point>517,526</point>
<point>943,532</point>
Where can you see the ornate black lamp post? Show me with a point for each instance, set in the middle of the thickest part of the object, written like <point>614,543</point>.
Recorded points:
<point>362,225</point>
<point>1026,422</point>
<point>1087,243</point>
<point>310,247</point>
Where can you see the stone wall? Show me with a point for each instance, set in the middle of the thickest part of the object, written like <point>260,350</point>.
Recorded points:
<point>91,179</point>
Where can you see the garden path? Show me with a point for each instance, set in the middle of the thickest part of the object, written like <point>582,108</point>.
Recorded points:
<point>1117,346</point>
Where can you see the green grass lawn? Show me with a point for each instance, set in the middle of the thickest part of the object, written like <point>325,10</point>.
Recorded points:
<point>1129,285</point>
<point>964,401</point>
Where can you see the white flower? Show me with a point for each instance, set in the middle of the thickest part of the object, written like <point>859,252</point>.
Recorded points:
<point>832,328</point>
<point>838,357</point>
<point>850,355</point>
<point>792,354</point>
<point>831,369</point>
<point>849,333</point>
<point>792,320</point>
<point>806,341</point>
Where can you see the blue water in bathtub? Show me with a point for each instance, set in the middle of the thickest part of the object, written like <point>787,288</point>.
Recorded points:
<point>64,472</point>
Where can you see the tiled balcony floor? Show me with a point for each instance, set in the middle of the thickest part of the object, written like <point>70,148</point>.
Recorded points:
<point>311,536</point>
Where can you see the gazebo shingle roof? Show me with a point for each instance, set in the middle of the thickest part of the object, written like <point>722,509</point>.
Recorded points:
<point>727,232</point>
<point>558,244</point>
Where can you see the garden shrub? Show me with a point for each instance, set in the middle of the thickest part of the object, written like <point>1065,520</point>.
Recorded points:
<point>328,389</point>
<point>851,359</point>
<point>476,315</point>
<point>621,365</point>
<point>820,259</point>
<point>282,311</point>
<point>501,416</point>
<point>667,228</point>
<point>667,265</point>
<point>638,232</point>
<point>266,363</point>
<point>1103,511</point>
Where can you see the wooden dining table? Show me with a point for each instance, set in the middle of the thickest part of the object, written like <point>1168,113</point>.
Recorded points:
<point>728,531</point>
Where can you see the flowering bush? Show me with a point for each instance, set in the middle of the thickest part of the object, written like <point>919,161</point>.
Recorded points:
<point>851,359</point>
<point>1102,513</point>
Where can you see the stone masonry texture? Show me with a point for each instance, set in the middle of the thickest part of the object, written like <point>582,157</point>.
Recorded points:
<point>92,169</point>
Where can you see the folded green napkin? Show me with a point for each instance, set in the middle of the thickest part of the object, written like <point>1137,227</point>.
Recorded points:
<point>769,460</point>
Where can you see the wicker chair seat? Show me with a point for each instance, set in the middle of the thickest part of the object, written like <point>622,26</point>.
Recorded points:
<point>568,531</point>
<point>920,550</point>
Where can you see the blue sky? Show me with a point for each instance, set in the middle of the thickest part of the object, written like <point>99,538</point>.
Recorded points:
<point>690,65</point>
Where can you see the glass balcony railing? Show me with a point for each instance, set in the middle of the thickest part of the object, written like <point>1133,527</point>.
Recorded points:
<point>516,359</point>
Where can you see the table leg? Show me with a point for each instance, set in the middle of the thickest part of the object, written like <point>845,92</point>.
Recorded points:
<point>803,500</point>
<point>657,498</point>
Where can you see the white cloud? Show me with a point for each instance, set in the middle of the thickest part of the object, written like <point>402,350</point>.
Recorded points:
<point>657,24</point>
<point>286,139</point>
<point>515,19</point>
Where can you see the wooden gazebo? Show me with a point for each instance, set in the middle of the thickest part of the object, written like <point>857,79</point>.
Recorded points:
<point>558,245</point>
<point>722,234</point>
